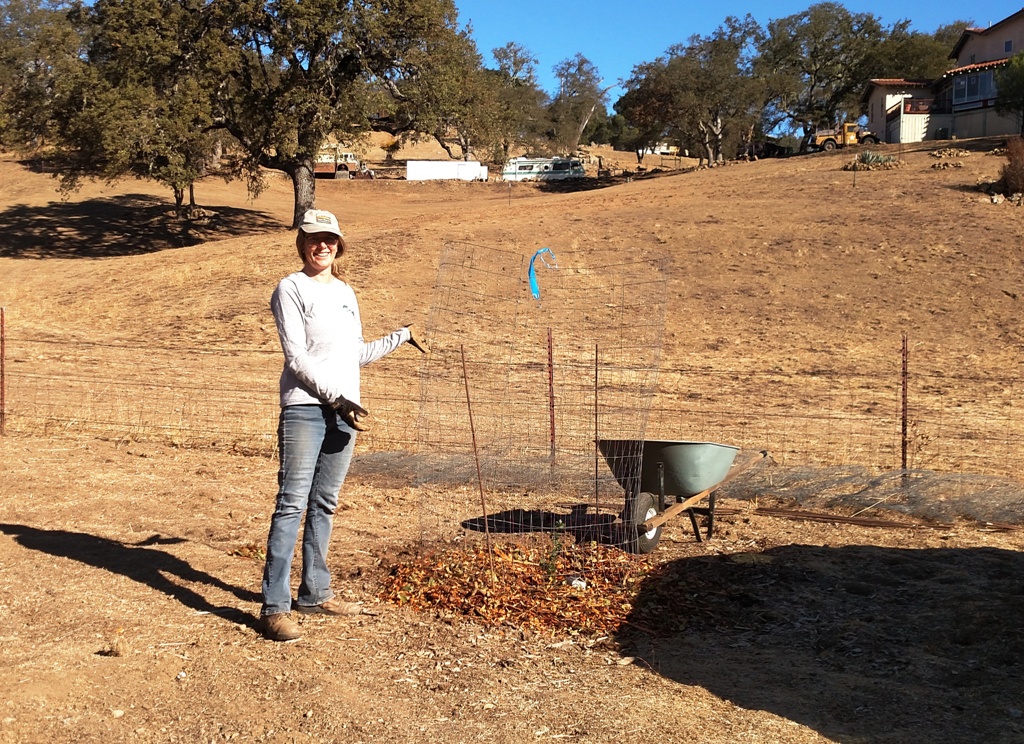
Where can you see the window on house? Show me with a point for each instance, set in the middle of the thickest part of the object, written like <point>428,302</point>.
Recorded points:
<point>972,87</point>
<point>960,89</point>
<point>986,85</point>
<point>977,87</point>
<point>1008,46</point>
<point>972,59</point>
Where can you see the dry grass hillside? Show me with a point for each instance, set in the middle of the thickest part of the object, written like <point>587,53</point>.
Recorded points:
<point>128,599</point>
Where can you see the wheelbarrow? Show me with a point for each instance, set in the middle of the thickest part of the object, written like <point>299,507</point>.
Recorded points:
<point>663,479</point>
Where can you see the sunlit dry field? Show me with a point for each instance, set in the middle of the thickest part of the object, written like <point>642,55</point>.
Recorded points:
<point>130,566</point>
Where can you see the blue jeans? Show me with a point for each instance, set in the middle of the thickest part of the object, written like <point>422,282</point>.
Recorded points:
<point>316,450</point>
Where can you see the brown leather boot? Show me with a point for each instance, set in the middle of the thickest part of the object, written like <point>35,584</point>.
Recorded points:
<point>280,627</point>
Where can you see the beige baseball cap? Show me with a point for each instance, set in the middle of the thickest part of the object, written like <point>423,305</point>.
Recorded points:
<point>320,221</point>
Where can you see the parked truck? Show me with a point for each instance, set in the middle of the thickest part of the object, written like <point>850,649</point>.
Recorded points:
<point>842,136</point>
<point>333,161</point>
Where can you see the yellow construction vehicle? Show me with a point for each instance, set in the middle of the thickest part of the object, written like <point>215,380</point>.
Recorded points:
<point>842,136</point>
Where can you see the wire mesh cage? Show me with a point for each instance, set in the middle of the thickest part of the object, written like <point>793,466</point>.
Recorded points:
<point>534,359</point>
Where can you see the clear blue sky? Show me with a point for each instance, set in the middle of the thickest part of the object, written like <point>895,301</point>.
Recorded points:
<point>615,35</point>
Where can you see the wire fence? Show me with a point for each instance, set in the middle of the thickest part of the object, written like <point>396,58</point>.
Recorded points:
<point>227,398</point>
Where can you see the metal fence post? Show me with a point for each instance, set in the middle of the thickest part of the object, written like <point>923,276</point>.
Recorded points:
<point>3,371</point>
<point>903,416</point>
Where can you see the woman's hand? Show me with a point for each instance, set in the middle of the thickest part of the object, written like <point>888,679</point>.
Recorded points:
<point>415,342</point>
<point>350,412</point>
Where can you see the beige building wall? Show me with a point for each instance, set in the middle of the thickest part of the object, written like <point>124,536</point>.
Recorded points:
<point>881,100</point>
<point>982,123</point>
<point>992,43</point>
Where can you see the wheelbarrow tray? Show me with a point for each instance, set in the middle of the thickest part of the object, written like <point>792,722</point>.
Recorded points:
<point>689,468</point>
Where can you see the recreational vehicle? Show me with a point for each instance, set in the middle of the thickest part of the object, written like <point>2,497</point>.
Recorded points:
<point>542,169</point>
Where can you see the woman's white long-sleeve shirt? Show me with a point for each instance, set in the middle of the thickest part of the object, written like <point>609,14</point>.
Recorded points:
<point>322,339</point>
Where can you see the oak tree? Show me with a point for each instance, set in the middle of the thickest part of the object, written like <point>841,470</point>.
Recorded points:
<point>305,70</point>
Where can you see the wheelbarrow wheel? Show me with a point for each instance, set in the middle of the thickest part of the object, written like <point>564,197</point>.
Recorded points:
<point>639,510</point>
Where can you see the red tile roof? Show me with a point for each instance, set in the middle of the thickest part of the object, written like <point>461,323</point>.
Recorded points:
<point>977,66</point>
<point>905,82</point>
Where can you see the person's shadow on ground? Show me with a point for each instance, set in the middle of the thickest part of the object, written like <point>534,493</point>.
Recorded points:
<point>139,562</point>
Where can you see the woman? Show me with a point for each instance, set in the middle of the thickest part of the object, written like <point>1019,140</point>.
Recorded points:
<point>321,335</point>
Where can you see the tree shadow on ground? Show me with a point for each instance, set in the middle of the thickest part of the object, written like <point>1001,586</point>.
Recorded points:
<point>573,185</point>
<point>127,225</point>
<point>139,562</point>
<point>859,643</point>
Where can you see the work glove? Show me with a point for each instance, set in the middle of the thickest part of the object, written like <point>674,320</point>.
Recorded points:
<point>416,343</point>
<point>350,412</point>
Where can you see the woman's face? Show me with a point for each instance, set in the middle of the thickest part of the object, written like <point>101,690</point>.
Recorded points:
<point>319,251</point>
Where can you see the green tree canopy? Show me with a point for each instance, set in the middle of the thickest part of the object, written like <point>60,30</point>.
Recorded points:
<point>1010,89</point>
<point>644,106</point>
<point>580,92</point>
<point>305,70</point>
<point>701,95</point>
<point>826,54</point>
<point>41,44</point>
<point>140,101</point>
<point>452,98</point>
<point>917,55</point>
<point>521,116</point>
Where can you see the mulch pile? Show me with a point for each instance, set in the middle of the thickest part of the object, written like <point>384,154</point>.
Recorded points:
<point>583,589</point>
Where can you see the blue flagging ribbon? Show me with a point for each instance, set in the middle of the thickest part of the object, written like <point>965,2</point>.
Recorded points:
<point>534,288</point>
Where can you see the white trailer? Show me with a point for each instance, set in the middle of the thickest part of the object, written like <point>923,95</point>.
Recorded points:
<point>445,170</point>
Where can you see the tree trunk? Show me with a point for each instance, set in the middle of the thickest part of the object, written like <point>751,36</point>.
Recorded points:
<point>192,196</point>
<point>586,120</point>
<point>304,188</point>
<point>575,144</point>
<point>711,138</point>
<point>705,141</point>
<point>717,128</point>
<point>179,198</point>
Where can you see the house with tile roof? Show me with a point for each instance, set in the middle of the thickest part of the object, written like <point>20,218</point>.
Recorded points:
<point>968,91</point>
<point>961,102</point>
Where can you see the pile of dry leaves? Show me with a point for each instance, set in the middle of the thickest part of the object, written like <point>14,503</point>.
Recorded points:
<point>558,587</point>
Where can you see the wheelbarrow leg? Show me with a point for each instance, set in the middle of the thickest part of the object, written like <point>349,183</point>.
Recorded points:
<point>661,487</point>
<point>708,512</point>
<point>696,527</point>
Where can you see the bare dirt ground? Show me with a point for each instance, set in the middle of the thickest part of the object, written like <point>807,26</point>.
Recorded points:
<point>129,572</point>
